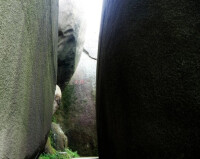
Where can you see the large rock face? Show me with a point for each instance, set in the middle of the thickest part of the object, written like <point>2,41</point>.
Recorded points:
<point>28,38</point>
<point>148,84</point>
<point>71,38</point>
<point>77,117</point>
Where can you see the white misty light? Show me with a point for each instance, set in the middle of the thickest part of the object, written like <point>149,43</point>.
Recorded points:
<point>93,17</point>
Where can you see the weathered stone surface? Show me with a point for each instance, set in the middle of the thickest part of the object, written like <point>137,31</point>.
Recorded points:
<point>58,137</point>
<point>148,84</point>
<point>28,40</point>
<point>78,115</point>
<point>57,99</point>
<point>48,147</point>
<point>71,38</point>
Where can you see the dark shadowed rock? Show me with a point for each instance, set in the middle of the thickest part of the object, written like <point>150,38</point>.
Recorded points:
<point>71,38</point>
<point>148,84</point>
<point>28,60</point>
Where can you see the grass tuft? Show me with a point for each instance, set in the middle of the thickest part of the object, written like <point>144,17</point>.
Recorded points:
<point>58,155</point>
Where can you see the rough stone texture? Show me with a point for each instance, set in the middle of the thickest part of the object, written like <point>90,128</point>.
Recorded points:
<point>148,84</point>
<point>77,116</point>
<point>28,40</point>
<point>71,38</point>
<point>57,99</point>
<point>58,137</point>
<point>48,147</point>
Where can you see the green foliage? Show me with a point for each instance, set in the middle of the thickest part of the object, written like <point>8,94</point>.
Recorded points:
<point>54,156</point>
<point>51,139</point>
<point>69,154</point>
<point>54,119</point>
<point>49,147</point>
<point>68,97</point>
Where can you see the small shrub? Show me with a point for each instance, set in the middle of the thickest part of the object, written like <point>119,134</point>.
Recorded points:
<point>69,154</point>
<point>54,119</point>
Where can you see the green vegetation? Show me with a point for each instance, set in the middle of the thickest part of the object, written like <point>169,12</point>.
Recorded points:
<point>54,119</point>
<point>68,97</point>
<point>51,139</point>
<point>71,153</point>
<point>49,147</point>
<point>53,154</point>
<point>68,154</point>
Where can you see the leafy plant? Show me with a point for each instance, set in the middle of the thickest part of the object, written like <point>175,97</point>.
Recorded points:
<point>54,119</point>
<point>69,154</point>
